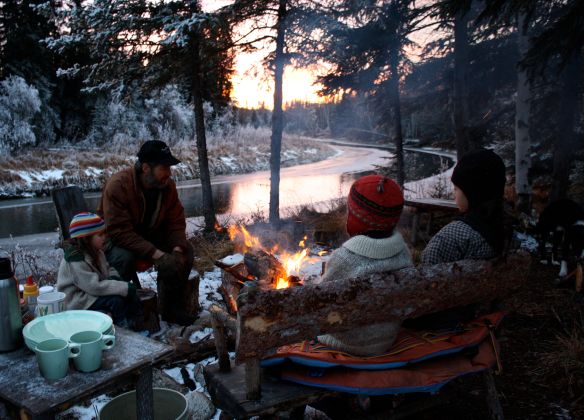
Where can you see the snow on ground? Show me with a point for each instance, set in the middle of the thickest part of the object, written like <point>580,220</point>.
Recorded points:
<point>209,288</point>
<point>86,413</point>
<point>427,187</point>
<point>40,176</point>
<point>232,259</point>
<point>527,242</point>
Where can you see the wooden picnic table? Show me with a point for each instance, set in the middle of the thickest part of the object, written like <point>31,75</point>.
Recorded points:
<point>427,205</point>
<point>131,359</point>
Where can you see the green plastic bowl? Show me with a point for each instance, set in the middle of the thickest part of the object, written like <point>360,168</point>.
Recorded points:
<point>168,405</point>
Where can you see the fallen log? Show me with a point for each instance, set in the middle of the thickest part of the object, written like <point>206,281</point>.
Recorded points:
<point>267,319</point>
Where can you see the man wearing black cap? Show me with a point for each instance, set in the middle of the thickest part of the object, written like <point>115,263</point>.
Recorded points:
<point>145,220</point>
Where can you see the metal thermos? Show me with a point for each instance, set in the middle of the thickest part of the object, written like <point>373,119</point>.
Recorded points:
<point>10,315</point>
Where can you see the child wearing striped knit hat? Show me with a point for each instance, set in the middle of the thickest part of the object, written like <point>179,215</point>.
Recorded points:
<point>87,279</point>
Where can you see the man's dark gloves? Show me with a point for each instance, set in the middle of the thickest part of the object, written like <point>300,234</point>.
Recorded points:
<point>168,263</point>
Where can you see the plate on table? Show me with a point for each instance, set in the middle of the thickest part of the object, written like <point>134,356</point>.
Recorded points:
<point>64,325</point>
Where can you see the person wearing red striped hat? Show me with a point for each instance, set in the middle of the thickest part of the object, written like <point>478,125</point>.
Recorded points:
<point>374,207</point>
<point>87,279</point>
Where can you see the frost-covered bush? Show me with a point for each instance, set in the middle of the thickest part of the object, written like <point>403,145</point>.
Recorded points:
<point>169,117</point>
<point>117,124</point>
<point>19,102</point>
<point>219,126</point>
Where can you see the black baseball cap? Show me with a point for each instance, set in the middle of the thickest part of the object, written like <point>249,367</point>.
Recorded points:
<point>156,151</point>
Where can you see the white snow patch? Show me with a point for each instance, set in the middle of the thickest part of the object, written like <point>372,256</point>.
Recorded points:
<point>423,187</point>
<point>232,259</point>
<point>148,279</point>
<point>201,335</point>
<point>86,413</point>
<point>229,161</point>
<point>527,242</point>
<point>39,176</point>
<point>209,288</point>
<point>91,171</point>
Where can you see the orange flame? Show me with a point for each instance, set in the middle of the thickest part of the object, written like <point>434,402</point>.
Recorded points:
<point>292,263</point>
<point>243,238</point>
<point>321,253</point>
<point>282,283</point>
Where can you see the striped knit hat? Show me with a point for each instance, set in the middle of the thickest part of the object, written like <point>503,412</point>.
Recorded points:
<point>375,203</point>
<point>85,224</point>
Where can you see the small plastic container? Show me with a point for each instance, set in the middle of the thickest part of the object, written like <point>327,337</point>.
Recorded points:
<point>46,289</point>
<point>31,291</point>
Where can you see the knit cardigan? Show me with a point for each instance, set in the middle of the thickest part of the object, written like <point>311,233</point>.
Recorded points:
<point>359,256</point>
<point>83,282</point>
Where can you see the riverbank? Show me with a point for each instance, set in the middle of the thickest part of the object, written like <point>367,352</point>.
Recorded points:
<point>35,172</point>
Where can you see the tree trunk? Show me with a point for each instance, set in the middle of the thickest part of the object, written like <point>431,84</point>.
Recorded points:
<point>208,208</point>
<point>397,124</point>
<point>277,118</point>
<point>460,99</point>
<point>522,113</point>
<point>268,318</point>
<point>563,150</point>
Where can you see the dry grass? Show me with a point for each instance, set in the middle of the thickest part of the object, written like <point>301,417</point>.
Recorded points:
<point>563,358</point>
<point>209,248</point>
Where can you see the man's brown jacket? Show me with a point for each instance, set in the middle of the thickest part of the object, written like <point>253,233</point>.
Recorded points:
<point>123,205</point>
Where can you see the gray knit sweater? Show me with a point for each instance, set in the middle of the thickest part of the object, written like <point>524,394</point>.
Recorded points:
<point>83,282</point>
<point>360,256</point>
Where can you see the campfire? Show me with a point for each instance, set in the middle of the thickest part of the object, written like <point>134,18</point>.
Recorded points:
<point>263,264</point>
<point>269,266</point>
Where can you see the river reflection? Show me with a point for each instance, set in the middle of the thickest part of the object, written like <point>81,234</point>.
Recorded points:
<point>239,195</point>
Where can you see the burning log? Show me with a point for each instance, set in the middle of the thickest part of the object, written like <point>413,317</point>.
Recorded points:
<point>263,265</point>
<point>271,318</point>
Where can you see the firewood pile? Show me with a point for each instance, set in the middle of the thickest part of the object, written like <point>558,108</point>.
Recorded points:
<point>257,265</point>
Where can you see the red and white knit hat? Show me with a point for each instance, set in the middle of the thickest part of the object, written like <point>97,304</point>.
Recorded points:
<point>375,203</point>
<point>85,224</point>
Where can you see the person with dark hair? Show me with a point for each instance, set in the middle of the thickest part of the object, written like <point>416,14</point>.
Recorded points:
<point>145,220</point>
<point>374,207</point>
<point>87,279</point>
<point>479,233</point>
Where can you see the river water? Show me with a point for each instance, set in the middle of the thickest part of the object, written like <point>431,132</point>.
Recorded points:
<point>236,195</point>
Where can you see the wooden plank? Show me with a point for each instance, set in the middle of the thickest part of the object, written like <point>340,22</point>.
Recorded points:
<point>68,202</point>
<point>269,318</point>
<point>228,392</point>
<point>22,385</point>
<point>493,403</point>
<point>253,379</point>
<point>220,339</point>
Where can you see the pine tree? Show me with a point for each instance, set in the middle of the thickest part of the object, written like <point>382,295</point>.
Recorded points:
<point>365,44</point>
<point>23,26</point>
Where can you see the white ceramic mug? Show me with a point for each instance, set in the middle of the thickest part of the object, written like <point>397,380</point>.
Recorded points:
<point>50,303</point>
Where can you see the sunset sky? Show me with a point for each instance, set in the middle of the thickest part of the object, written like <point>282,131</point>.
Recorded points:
<point>252,87</point>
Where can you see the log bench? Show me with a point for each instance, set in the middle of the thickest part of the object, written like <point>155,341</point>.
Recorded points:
<point>268,319</point>
<point>428,206</point>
